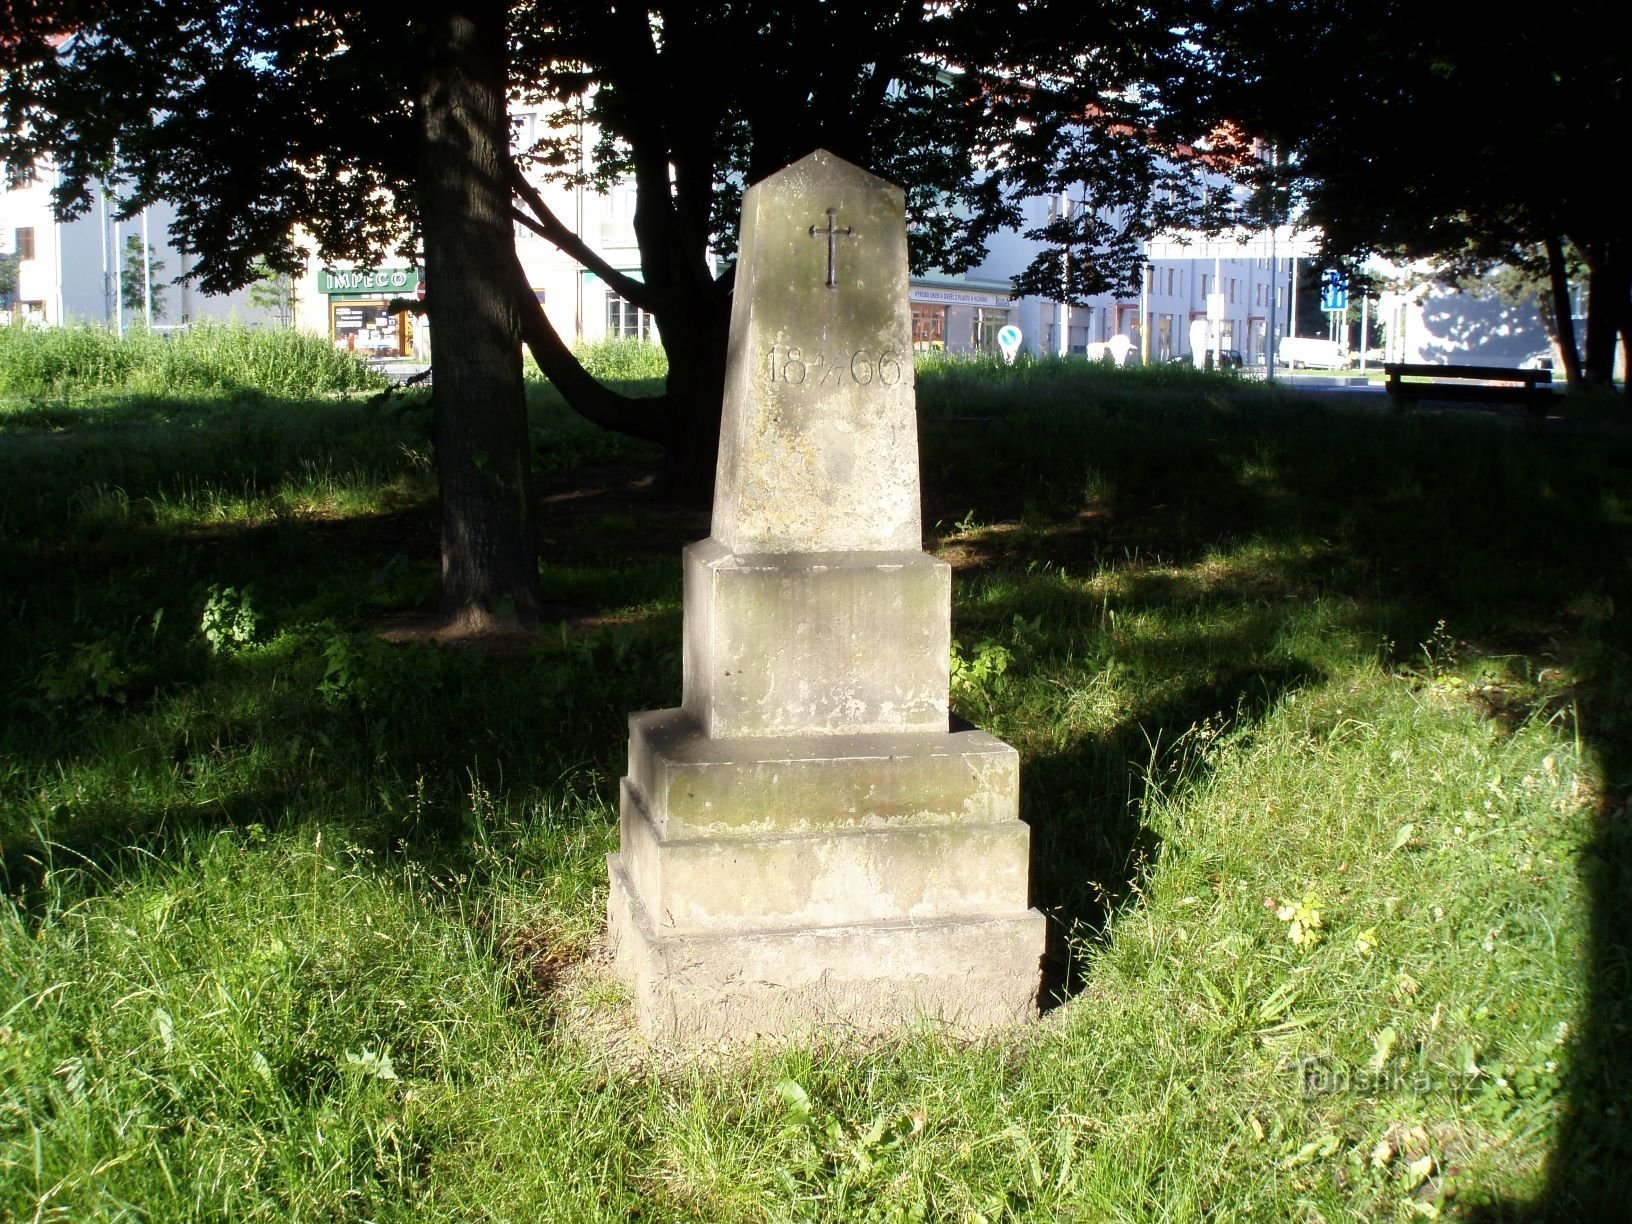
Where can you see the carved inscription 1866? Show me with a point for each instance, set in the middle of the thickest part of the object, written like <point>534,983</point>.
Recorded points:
<point>790,364</point>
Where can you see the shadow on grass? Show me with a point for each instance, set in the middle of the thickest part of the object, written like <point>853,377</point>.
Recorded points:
<point>1089,848</point>
<point>1517,542</point>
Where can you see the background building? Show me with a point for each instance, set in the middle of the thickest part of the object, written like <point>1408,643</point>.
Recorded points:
<point>88,270</point>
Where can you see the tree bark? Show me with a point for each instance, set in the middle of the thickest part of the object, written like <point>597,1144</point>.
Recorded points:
<point>1558,278</point>
<point>479,427</point>
<point>1609,291</point>
<point>696,342</point>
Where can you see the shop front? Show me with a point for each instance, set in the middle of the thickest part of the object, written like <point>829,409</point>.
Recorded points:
<point>957,319</point>
<point>360,318</point>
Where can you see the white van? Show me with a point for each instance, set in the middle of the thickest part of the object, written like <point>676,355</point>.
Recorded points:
<point>1310,353</point>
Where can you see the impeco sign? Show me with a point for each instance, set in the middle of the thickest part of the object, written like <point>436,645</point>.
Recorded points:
<point>360,281</point>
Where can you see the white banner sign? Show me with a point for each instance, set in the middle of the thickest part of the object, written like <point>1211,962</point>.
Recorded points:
<point>952,297</point>
<point>1234,244</point>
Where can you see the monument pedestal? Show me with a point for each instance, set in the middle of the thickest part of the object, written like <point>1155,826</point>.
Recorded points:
<point>776,885</point>
<point>805,843</point>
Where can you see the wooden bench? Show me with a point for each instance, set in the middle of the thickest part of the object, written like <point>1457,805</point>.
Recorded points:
<point>1469,384</point>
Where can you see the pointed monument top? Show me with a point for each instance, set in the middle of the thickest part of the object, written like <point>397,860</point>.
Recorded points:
<point>818,441</point>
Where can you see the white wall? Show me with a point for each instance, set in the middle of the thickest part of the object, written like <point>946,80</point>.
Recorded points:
<point>72,271</point>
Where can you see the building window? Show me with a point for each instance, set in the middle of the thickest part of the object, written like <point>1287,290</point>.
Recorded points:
<point>1170,282</point>
<point>25,242</point>
<point>368,328</point>
<point>521,132</point>
<point>626,321</point>
<point>618,217</point>
<point>987,323</point>
<point>1205,281</point>
<point>928,326</point>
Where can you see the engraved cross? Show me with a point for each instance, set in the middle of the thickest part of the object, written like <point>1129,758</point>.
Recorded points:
<point>832,234</point>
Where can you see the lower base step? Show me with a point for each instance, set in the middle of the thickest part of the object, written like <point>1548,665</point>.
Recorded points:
<point>963,974</point>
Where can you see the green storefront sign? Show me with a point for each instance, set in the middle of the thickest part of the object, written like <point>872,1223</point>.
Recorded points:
<point>367,282</point>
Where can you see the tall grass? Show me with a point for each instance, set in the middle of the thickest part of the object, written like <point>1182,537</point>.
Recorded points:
<point>623,360</point>
<point>207,357</point>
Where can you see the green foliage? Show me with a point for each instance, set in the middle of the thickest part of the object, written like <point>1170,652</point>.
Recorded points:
<point>623,361</point>
<point>139,287</point>
<point>273,292</point>
<point>89,671</point>
<point>206,357</point>
<point>229,619</point>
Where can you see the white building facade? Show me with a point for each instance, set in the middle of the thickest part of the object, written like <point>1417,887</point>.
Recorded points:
<point>76,271</point>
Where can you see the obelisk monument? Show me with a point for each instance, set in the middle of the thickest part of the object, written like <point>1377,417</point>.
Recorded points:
<point>806,843</point>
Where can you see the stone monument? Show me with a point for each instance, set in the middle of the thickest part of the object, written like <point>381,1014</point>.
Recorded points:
<point>805,843</point>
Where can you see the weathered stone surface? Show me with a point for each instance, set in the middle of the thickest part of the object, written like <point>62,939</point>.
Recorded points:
<point>962,974</point>
<point>842,876</point>
<point>805,844</point>
<point>819,439</point>
<point>786,645</point>
<point>695,785</point>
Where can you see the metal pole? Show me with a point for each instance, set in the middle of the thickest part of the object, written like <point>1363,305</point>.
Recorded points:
<point>1365,328</point>
<point>147,276</point>
<point>1144,312</point>
<point>102,225</point>
<point>1274,294</point>
<point>118,282</point>
<point>1063,340</point>
<point>1292,297</point>
<point>1218,323</point>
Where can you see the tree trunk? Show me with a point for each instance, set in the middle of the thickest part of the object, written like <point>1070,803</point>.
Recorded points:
<point>697,347</point>
<point>1626,363</point>
<point>1609,289</point>
<point>1564,321</point>
<point>479,427</point>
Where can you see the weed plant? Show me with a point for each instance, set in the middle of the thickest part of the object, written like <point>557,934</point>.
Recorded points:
<point>1325,760</point>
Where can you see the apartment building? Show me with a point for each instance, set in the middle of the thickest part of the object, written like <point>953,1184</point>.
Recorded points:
<point>89,269</point>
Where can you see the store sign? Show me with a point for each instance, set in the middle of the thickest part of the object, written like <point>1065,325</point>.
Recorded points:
<point>366,281</point>
<point>953,297</point>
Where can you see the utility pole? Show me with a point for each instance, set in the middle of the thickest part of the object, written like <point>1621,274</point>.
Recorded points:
<point>118,282</point>
<point>1062,341</point>
<point>102,225</point>
<point>1292,297</point>
<point>1274,262</point>
<point>1365,327</point>
<point>147,276</point>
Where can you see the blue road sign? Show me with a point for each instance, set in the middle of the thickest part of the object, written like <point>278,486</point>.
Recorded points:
<point>1334,292</point>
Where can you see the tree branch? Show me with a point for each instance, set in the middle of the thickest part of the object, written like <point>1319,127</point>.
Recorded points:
<point>639,418</point>
<point>549,227</point>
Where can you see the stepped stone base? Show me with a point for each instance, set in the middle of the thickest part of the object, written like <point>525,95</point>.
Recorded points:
<point>965,974</point>
<point>785,884</point>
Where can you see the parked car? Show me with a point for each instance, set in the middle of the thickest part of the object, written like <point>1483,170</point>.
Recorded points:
<point>1227,358</point>
<point>1312,353</point>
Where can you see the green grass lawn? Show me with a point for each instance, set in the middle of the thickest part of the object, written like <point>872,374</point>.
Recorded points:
<point>1325,755</point>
